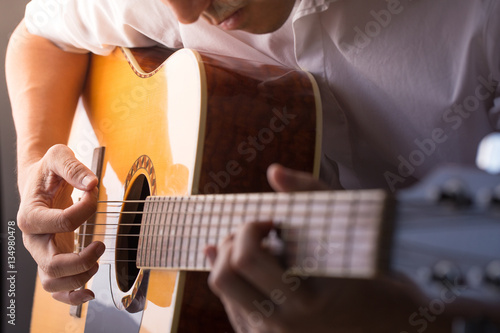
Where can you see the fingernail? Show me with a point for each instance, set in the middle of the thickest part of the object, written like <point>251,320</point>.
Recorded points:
<point>286,171</point>
<point>87,298</point>
<point>86,180</point>
<point>100,249</point>
<point>210,252</point>
<point>272,167</point>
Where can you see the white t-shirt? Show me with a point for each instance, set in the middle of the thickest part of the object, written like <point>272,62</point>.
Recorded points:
<point>406,84</point>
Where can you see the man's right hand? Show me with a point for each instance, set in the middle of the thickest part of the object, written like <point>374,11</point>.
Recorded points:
<point>47,217</point>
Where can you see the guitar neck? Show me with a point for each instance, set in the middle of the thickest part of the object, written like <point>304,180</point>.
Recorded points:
<point>337,233</point>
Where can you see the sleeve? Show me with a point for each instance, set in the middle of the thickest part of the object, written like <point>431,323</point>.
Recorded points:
<point>99,26</point>
<point>492,38</point>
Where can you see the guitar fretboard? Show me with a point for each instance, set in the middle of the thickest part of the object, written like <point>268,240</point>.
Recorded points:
<point>335,233</point>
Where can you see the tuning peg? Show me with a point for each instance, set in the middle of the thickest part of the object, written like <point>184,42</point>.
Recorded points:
<point>455,193</point>
<point>447,273</point>
<point>492,273</point>
<point>488,154</point>
<point>495,199</point>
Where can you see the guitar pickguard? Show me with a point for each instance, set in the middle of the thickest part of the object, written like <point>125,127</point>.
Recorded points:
<point>102,314</point>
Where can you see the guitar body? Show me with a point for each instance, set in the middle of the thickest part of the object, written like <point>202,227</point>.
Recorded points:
<point>191,124</point>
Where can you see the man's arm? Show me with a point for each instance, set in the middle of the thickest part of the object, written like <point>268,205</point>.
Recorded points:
<point>44,85</point>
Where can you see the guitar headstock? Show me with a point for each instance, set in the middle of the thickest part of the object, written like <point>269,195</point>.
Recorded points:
<point>447,236</point>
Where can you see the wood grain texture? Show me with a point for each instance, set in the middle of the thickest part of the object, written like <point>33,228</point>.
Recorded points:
<point>246,131</point>
<point>151,58</point>
<point>261,115</point>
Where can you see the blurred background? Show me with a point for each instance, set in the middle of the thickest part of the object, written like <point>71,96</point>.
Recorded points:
<point>11,12</point>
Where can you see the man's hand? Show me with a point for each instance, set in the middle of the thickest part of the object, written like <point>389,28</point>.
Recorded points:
<point>48,217</point>
<point>259,296</point>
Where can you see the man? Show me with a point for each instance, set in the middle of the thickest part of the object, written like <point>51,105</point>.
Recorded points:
<point>405,85</point>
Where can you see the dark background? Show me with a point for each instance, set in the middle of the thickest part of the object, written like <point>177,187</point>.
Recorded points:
<point>11,12</point>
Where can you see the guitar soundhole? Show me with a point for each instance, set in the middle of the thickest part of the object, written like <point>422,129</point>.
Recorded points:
<point>128,234</point>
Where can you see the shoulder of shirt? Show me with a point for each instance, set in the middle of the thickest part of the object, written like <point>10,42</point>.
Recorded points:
<point>492,14</point>
<point>307,7</point>
<point>491,33</point>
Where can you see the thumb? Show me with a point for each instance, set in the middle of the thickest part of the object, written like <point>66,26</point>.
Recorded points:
<point>283,179</point>
<point>211,253</point>
<point>62,161</point>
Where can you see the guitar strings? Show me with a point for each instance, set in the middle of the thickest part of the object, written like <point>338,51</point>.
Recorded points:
<point>211,225</point>
<point>251,198</point>
<point>415,206</point>
<point>418,222</point>
<point>428,249</point>
<point>409,223</point>
<point>306,197</point>
<point>232,213</point>
<point>195,264</point>
<point>246,200</point>
<point>420,249</point>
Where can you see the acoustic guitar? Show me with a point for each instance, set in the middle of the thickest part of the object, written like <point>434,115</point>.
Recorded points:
<point>185,141</point>
<point>187,125</point>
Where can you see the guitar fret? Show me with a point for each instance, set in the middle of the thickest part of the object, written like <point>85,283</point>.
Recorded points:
<point>151,236</point>
<point>220,221</point>
<point>140,246</point>
<point>156,241</point>
<point>168,230</point>
<point>178,228</point>
<point>258,208</point>
<point>286,232</point>
<point>301,259</point>
<point>183,227</point>
<point>304,233</point>
<point>153,241</point>
<point>326,229</point>
<point>347,258</point>
<point>274,208</point>
<point>169,217</point>
<point>216,207</point>
<point>173,233</point>
<point>196,251</point>
<point>152,206</point>
<point>165,207</point>
<point>231,217</point>
<point>158,225</point>
<point>145,239</point>
<point>209,227</point>
<point>370,237</point>
<point>322,233</point>
<point>188,230</point>
<point>246,200</point>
